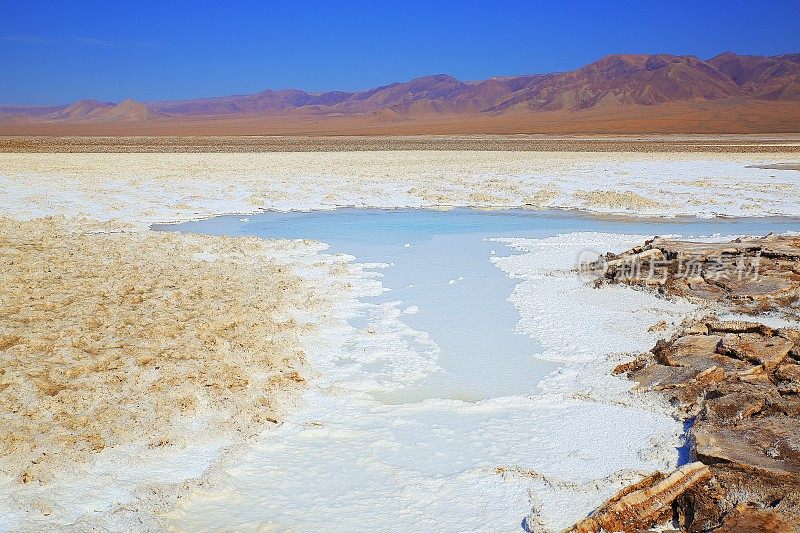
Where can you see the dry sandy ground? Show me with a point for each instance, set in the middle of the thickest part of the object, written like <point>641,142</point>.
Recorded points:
<point>119,345</point>
<point>731,115</point>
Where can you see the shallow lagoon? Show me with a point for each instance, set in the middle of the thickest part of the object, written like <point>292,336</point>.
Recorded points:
<point>474,444</point>
<point>439,268</point>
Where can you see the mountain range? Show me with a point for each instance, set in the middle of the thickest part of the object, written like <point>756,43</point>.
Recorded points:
<point>727,93</point>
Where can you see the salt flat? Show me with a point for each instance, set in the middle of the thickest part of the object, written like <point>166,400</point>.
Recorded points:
<point>159,187</point>
<point>121,195</point>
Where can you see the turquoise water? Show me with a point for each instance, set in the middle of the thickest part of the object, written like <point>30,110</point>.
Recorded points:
<point>441,273</point>
<point>376,226</point>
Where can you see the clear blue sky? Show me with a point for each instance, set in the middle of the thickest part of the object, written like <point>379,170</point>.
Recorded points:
<point>60,51</point>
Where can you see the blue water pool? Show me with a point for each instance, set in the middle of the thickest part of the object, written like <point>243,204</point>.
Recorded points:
<point>441,273</point>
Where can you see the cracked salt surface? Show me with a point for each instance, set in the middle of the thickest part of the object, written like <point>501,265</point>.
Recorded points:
<point>189,186</point>
<point>489,406</point>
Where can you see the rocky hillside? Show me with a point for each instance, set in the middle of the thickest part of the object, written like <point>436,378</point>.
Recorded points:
<point>612,82</point>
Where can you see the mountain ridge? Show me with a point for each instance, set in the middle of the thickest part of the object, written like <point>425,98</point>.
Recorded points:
<point>610,84</point>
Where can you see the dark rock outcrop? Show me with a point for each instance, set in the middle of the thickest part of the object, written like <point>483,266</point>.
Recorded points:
<point>738,379</point>
<point>645,503</point>
<point>746,275</point>
<point>739,382</point>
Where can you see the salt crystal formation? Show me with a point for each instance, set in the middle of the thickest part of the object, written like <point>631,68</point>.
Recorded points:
<point>112,338</point>
<point>739,381</point>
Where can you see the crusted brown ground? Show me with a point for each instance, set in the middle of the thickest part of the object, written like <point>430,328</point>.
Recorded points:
<point>747,275</point>
<point>738,381</point>
<point>54,141</point>
<point>645,503</point>
<point>108,338</point>
<point>741,383</point>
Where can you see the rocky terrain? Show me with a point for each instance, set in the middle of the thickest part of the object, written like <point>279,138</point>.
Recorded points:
<point>747,275</point>
<point>736,383</point>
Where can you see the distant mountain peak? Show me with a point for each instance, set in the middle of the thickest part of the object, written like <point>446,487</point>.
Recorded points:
<point>725,54</point>
<point>83,110</point>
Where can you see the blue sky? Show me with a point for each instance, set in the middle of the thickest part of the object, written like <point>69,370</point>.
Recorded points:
<point>58,51</point>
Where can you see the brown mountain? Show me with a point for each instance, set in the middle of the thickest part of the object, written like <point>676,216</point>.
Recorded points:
<point>756,93</point>
<point>82,110</point>
<point>612,81</point>
<point>265,101</point>
<point>769,78</point>
<point>128,110</point>
<point>627,80</point>
<point>87,111</point>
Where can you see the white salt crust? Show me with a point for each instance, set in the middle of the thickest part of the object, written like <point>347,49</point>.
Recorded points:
<point>171,187</point>
<point>443,465</point>
<point>448,465</point>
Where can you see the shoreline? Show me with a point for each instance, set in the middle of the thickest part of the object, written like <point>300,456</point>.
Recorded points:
<point>565,212</point>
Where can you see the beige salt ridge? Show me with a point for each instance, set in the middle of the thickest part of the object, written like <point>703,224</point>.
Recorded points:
<point>109,338</point>
<point>617,200</point>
